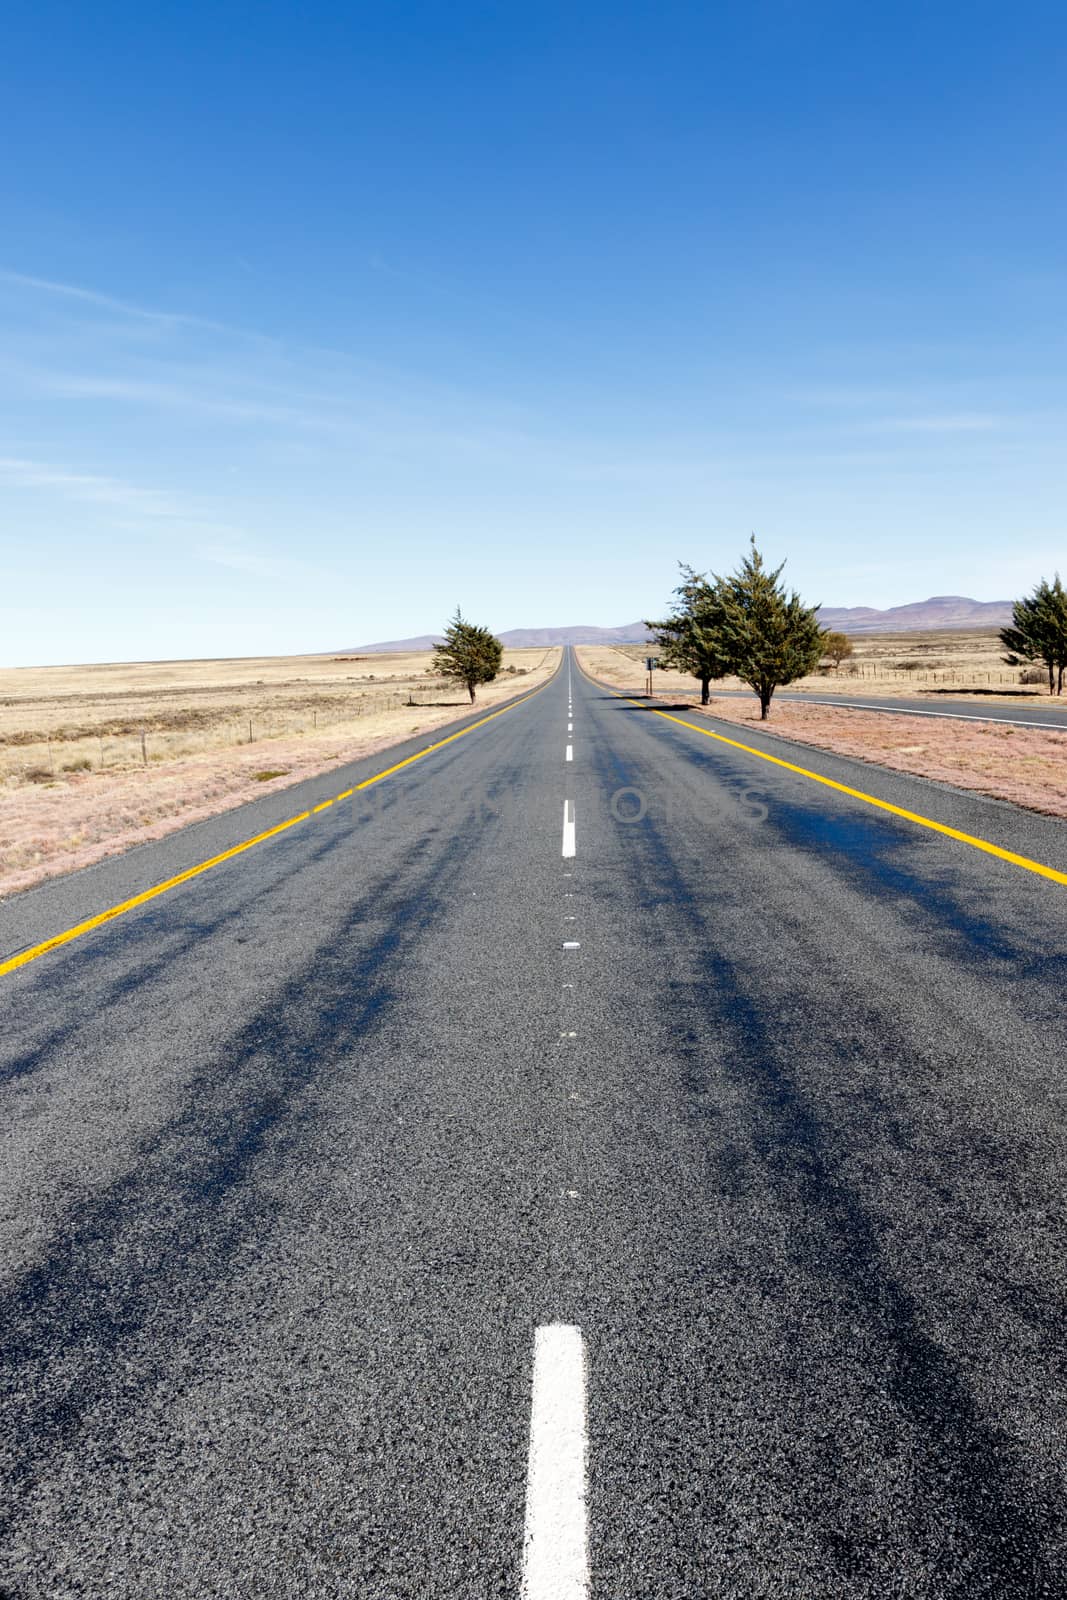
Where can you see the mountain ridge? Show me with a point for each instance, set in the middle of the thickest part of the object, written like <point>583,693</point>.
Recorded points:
<point>940,611</point>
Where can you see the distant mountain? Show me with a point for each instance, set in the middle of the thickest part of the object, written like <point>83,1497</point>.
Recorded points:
<point>941,611</point>
<point>518,639</point>
<point>423,641</point>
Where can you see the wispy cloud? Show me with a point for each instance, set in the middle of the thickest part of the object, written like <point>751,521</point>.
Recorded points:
<point>389,420</point>
<point>89,488</point>
<point>209,539</point>
<point>239,559</point>
<point>848,396</point>
<point>205,398</point>
<point>939,422</point>
<point>108,302</point>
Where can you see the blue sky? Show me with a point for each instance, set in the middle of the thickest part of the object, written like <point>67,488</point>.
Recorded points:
<point>317,321</point>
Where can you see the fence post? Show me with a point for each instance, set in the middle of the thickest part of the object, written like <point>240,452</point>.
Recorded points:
<point>144,749</point>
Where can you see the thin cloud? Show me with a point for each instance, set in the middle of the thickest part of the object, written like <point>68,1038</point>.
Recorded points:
<point>107,302</point>
<point>296,389</point>
<point>391,424</point>
<point>179,397</point>
<point>225,544</point>
<point>239,559</point>
<point>89,488</point>
<point>946,422</point>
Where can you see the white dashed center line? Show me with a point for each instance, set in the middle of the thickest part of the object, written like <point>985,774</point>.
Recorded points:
<point>555,1555</point>
<point>570,752</point>
<point>570,846</point>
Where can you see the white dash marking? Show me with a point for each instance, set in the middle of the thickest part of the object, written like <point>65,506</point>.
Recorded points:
<point>570,846</point>
<point>572,944</point>
<point>570,727</point>
<point>570,752</point>
<point>555,1562</point>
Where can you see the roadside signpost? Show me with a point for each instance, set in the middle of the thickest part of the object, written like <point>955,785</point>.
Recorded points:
<point>650,663</point>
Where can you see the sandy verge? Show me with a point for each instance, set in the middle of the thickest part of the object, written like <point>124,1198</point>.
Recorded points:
<point>1027,766</point>
<point>85,816</point>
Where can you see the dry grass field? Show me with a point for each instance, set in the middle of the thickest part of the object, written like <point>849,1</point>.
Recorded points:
<point>923,664</point>
<point>1027,766</point>
<point>94,759</point>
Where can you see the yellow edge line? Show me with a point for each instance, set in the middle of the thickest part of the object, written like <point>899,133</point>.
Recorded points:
<point>1025,862</point>
<point>26,956</point>
<point>871,800</point>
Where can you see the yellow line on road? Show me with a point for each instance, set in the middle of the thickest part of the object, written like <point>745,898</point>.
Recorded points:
<point>868,799</point>
<point>26,956</point>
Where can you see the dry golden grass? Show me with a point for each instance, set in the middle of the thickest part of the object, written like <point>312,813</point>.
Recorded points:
<point>901,664</point>
<point>1027,766</point>
<point>60,809</point>
<point>92,718</point>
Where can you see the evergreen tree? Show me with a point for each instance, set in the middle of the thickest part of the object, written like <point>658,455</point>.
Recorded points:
<point>469,654</point>
<point>689,638</point>
<point>769,637</point>
<point>1040,631</point>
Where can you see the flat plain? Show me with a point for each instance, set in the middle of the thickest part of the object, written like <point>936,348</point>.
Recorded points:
<point>97,758</point>
<point>968,662</point>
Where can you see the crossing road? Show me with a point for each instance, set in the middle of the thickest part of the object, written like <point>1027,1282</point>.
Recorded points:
<point>603,1157</point>
<point>1041,713</point>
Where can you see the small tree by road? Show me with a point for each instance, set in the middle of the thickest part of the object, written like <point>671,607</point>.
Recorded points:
<point>769,636</point>
<point>689,638</point>
<point>1039,631</point>
<point>469,655</point>
<point>836,647</point>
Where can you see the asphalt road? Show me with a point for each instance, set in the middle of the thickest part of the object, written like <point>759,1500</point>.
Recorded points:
<point>754,1106</point>
<point>1041,713</point>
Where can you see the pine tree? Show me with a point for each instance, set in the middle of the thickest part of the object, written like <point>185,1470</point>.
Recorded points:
<point>769,637</point>
<point>1040,631</point>
<point>470,655</point>
<point>689,638</point>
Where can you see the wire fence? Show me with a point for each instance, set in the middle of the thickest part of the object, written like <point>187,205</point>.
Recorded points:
<point>958,677</point>
<point>119,743</point>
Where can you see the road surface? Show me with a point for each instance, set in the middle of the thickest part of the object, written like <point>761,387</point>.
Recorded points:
<point>634,1173</point>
